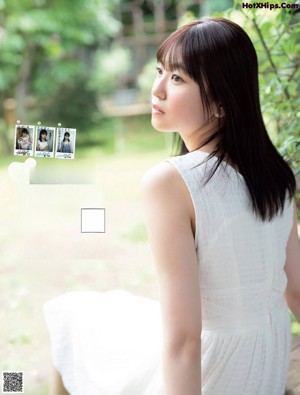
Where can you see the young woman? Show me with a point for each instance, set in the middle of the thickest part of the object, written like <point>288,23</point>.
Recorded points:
<point>222,226</point>
<point>42,143</point>
<point>65,145</point>
<point>24,141</point>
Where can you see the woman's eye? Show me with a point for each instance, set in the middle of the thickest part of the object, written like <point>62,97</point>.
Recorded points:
<point>158,70</point>
<point>176,78</point>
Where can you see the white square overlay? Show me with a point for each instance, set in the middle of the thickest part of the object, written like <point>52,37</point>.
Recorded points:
<point>92,220</point>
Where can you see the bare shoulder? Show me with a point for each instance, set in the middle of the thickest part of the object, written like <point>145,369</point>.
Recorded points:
<point>163,186</point>
<point>161,177</point>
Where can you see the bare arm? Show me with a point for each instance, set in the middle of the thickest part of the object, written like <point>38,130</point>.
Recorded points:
<point>292,268</point>
<point>56,384</point>
<point>169,212</point>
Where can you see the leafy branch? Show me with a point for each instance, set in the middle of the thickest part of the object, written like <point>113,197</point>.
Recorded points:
<point>267,51</point>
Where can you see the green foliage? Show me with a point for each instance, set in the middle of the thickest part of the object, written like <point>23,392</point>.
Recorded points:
<point>146,78</point>
<point>54,31</point>
<point>74,105</point>
<point>110,66</point>
<point>138,234</point>
<point>295,325</point>
<point>275,34</point>
<point>47,47</point>
<point>212,6</point>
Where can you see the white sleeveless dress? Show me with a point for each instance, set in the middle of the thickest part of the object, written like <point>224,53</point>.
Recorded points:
<point>109,343</point>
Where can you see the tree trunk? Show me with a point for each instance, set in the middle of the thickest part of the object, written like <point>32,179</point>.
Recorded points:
<point>22,85</point>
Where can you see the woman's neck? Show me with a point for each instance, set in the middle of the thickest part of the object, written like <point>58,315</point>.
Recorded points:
<point>206,138</point>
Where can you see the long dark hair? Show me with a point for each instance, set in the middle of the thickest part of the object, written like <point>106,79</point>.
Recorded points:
<point>42,131</point>
<point>219,56</point>
<point>67,134</point>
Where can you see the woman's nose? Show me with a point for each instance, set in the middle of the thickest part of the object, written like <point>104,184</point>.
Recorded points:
<point>159,89</point>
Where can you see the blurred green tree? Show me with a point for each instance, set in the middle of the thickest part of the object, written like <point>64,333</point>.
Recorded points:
<point>212,6</point>
<point>47,49</point>
<point>109,66</point>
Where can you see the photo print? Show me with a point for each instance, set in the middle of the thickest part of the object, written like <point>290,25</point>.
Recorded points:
<point>44,142</point>
<point>65,143</point>
<point>24,140</point>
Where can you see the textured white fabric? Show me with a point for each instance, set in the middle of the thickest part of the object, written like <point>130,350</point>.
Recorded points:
<point>110,343</point>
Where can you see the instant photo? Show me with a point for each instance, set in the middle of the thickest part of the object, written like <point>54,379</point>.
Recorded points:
<point>24,140</point>
<point>44,142</point>
<point>65,143</point>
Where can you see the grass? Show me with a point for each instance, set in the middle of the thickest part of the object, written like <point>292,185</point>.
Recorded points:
<point>137,234</point>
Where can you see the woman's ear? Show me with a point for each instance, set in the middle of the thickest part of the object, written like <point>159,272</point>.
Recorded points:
<point>218,110</point>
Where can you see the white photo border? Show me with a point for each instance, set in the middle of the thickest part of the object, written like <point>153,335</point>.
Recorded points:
<point>51,131</point>
<point>70,151</point>
<point>18,140</point>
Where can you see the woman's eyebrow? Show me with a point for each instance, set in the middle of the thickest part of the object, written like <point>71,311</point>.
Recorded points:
<point>173,66</point>
<point>177,66</point>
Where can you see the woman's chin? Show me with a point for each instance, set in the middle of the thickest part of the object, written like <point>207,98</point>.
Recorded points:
<point>161,128</point>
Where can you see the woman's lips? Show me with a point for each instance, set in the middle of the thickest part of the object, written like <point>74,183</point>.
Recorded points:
<point>157,110</point>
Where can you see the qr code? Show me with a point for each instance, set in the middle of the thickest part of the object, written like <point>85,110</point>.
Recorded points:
<point>12,382</point>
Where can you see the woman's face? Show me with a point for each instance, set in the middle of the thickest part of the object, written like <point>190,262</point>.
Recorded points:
<point>44,136</point>
<point>177,104</point>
